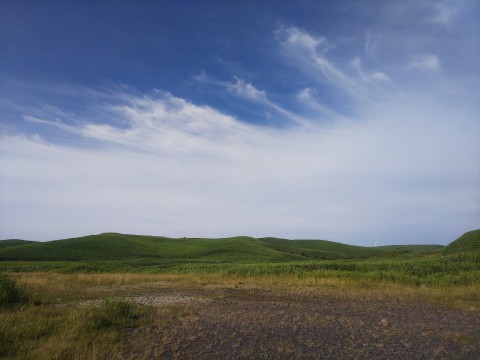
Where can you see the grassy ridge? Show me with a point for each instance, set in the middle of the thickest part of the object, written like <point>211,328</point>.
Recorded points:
<point>468,242</point>
<point>320,249</point>
<point>13,242</point>
<point>112,246</point>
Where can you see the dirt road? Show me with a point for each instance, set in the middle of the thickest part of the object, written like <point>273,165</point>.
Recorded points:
<point>325,324</point>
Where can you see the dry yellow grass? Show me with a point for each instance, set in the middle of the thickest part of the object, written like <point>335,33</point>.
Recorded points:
<point>69,287</point>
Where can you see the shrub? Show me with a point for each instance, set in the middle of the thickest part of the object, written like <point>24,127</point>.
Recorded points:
<point>112,313</point>
<point>10,291</point>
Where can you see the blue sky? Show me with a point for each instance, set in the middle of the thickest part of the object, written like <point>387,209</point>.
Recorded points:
<point>353,121</point>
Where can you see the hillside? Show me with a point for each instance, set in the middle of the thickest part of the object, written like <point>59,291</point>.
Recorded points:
<point>468,242</point>
<point>13,242</point>
<point>113,246</point>
<point>320,249</point>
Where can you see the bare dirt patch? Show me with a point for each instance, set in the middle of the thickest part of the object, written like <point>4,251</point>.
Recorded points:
<point>173,299</point>
<point>248,323</point>
<point>154,300</point>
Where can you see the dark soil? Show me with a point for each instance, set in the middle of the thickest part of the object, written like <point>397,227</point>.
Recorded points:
<point>326,324</point>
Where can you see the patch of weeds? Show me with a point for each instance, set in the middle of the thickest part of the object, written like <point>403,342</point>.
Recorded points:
<point>466,339</point>
<point>68,332</point>
<point>10,291</point>
<point>111,314</point>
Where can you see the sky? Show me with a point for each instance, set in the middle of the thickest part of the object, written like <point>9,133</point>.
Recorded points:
<point>351,121</point>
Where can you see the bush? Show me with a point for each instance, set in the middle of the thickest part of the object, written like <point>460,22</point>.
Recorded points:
<point>10,291</point>
<point>112,313</point>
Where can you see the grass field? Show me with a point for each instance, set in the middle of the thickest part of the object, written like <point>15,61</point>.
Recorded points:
<point>74,298</point>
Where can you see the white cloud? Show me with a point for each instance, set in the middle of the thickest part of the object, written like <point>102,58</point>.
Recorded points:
<point>370,44</point>
<point>304,41</point>
<point>426,62</point>
<point>240,87</point>
<point>57,123</point>
<point>167,123</point>
<point>378,75</point>
<point>309,97</point>
<point>248,91</point>
<point>356,64</point>
<point>309,54</point>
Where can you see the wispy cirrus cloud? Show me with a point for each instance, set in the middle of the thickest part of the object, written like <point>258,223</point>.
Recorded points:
<point>158,122</point>
<point>309,53</point>
<point>308,97</point>
<point>426,62</point>
<point>369,78</point>
<point>444,12</point>
<point>243,89</point>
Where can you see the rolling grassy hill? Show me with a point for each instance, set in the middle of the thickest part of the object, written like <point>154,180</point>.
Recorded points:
<point>13,242</point>
<point>320,249</point>
<point>113,246</point>
<point>468,242</point>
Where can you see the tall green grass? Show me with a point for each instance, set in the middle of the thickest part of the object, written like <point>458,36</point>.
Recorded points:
<point>418,269</point>
<point>461,269</point>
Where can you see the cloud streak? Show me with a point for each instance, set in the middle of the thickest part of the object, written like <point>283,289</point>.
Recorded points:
<point>309,54</point>
<point>428,62</point>
<point>248,91</point>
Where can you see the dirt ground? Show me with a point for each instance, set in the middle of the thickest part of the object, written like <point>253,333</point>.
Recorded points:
<point>247,323</point>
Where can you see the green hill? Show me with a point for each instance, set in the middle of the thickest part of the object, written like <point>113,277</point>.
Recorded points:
<point>114,247</point>
<point>467,243</point>
<point>320,249</point>
<point>398,250</point>
<point>410,248</point>
<point>13,242</point>
<point>111,246</point>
